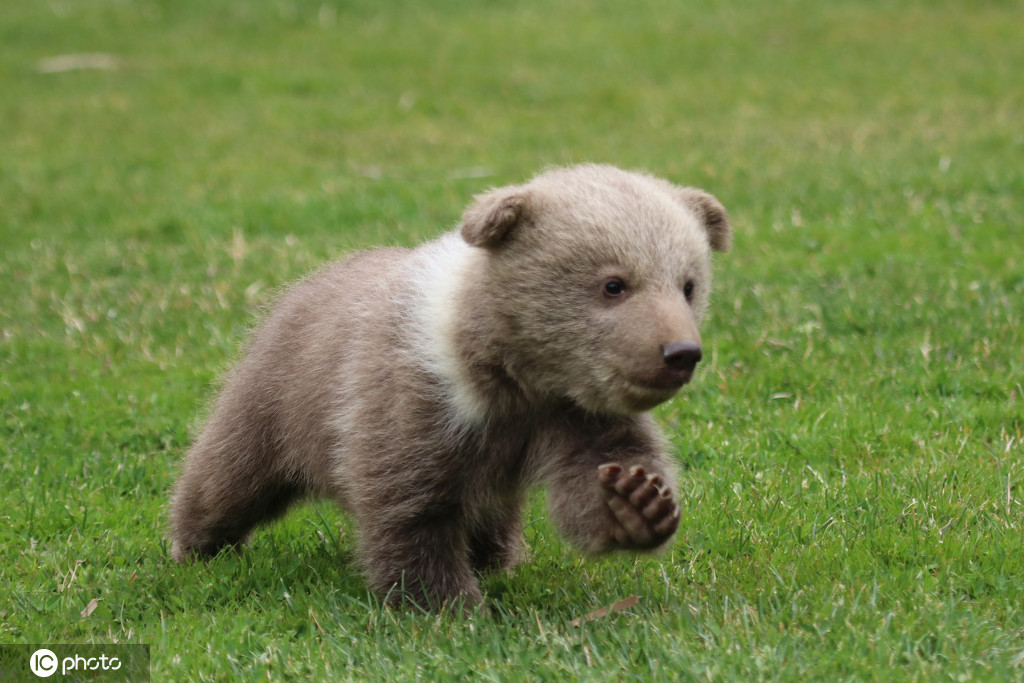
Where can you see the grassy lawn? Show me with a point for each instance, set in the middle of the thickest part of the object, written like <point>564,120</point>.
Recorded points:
<point>851,450</point>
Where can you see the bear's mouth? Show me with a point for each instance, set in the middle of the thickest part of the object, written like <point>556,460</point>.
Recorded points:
<point>629,393</point>
<point>647,392</point>
<point>667,379</point>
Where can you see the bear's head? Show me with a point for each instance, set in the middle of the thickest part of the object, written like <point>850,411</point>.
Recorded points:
<point>599,278</point>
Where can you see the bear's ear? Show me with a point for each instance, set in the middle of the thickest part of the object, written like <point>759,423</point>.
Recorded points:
<point>492,216</point>
<point>711,213</point>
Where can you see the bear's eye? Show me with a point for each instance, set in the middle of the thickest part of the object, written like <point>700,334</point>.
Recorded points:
<point>614,288</point>
<point>688,290</point>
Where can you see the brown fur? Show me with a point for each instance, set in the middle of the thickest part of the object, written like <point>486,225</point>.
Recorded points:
<point>426,390</point>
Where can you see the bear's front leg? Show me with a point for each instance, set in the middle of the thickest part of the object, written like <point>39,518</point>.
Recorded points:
<point>426,565</point>
<point>641,503</point>
<point>610,484</point>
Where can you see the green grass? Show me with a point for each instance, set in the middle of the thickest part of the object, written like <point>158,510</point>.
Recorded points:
<point>851,452</point>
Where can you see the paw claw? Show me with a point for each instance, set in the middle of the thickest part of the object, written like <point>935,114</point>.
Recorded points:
<point>668,525</point>
<point>642,496</point>
<point>609,473</point>
<point>642,505</point>
<point>657,509</point>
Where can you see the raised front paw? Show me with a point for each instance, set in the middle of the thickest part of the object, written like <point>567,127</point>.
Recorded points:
<point>643,506</point>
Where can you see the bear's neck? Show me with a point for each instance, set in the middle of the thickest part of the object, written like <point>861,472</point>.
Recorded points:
<point>459,337</point>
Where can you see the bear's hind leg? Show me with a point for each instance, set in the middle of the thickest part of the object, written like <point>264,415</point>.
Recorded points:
<point>497,541</point>
<point>202,527</point>
<point>221,495</point>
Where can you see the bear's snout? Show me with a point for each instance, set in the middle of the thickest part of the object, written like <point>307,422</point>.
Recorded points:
<point>681,358</point>
<point>681,355</point>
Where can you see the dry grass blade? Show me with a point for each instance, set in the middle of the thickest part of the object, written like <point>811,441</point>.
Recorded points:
<point>91,607</point>
<point>623,604</point>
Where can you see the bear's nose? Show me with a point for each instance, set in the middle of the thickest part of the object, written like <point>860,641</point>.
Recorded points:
<point>681,355</point>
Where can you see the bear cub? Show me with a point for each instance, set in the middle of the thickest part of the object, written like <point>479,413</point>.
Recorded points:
<point>426,390</point>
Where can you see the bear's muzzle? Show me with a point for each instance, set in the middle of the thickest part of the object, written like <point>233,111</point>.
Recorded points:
<point>681,358</point>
